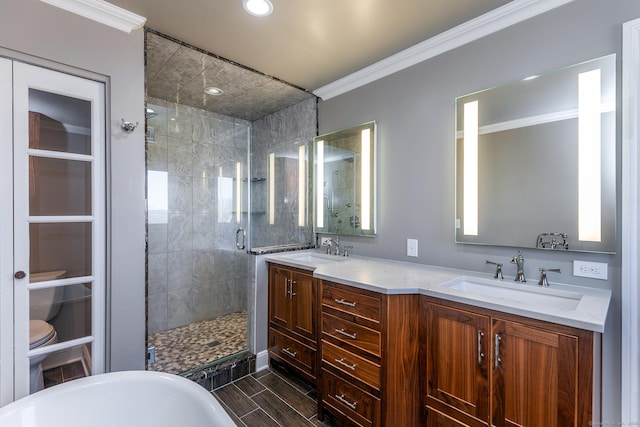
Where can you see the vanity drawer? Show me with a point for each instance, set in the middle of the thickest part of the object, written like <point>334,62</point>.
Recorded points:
<point>292,351</point>
<point>352,333</point>
<point>351,301</point>
<point>351,364</point>
<point>358,406</point>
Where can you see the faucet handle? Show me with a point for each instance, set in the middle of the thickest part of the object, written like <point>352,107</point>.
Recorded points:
<point>543,275</point>
<point>345,250</point>
<point>498,265</point>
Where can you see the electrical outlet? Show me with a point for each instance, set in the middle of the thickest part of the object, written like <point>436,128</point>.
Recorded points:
<point>457,223</point>
<point>151,355</point>
<point>412,247</point>
<point>592,270</point>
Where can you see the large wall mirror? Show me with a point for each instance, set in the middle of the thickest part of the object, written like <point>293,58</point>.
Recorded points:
<point>535,161</point>
<point>345,181</point>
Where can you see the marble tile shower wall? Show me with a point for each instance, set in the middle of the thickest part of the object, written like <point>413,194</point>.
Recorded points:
<point>282,133</point>
<point>195,271</point>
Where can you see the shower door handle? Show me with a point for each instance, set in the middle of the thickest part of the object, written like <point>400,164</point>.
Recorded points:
<point>240,243</point>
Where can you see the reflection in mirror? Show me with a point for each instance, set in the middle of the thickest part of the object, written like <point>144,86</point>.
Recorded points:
<point>535,161</point>
<point>344,181</point>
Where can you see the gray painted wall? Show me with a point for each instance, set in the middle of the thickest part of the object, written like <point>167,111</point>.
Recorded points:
<point>415,113</point>
<point>36,29</point>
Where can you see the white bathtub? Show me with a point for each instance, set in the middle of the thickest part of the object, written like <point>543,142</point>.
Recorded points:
<point>123,399</point>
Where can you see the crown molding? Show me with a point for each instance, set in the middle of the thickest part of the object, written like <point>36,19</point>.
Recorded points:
<point>491,22</point>
<point>103,12</point>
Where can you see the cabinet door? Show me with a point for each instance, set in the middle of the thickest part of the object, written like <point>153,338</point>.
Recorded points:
<point>457,362</point>
<point>279,301</point>
<point>303,309</point>
<point>535,376</point>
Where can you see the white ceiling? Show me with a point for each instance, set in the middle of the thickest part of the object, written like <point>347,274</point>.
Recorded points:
<point>308,43</point>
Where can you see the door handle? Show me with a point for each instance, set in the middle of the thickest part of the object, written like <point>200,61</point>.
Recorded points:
<point>291,292</point>
<point>496,351</point>
<point>240,245</point>
<point>20,274</point>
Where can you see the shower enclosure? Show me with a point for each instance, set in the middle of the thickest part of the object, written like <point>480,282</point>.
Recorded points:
<point>211,198</point>
<point>197,216</point>
<point>224,175</point>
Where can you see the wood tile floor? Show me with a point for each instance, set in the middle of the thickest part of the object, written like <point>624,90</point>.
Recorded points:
<point>271,397</point>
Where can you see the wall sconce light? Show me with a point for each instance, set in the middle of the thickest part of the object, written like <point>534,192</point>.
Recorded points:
<point>238,192</point>
<point>272,188</point>
<point>470,168</point>
<point>320,184</point>
<point>589,156</point>
<point>365,215</point>
<point>302,185</point>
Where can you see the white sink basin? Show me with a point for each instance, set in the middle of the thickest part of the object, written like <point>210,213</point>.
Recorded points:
<point>315,258</point>
<point>516,292</point>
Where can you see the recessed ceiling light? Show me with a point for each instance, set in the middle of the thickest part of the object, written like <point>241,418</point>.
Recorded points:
<point>258,7</point>
<point>211,90</point>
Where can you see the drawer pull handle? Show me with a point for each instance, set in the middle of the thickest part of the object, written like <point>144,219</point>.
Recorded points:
<point>343,302</point>
<point>289,352</point>
<point>496,351</point>
<point>346,334</point>
<point>345,364</point>
<point>341,398</point>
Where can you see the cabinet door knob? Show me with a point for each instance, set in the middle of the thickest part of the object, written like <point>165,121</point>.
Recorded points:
<point>20,274</point>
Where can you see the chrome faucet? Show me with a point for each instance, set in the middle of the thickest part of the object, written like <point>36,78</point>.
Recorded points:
<point>333,241</point>
<point>519,262</point>
<point>543,275</point>
<point>498,265</point>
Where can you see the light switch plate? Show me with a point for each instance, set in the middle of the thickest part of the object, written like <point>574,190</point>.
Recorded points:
<point>592,270</point>
<point>412,247</point>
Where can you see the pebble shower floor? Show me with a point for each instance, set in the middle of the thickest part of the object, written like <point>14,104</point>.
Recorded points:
<point>199,343</point>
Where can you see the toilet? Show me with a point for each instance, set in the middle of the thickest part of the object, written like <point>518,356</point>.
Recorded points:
<point>44,306</point>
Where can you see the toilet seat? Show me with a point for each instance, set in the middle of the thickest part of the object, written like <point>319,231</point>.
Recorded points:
<point>40,332</point>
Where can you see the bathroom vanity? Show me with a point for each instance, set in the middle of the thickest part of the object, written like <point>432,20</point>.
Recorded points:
<point>408,344</point>
<point>293,319</point>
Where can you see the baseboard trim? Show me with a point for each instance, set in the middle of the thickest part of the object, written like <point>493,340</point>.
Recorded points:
<point>262,360</point>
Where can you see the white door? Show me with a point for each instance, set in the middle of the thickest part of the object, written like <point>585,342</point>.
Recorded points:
<point>57,202</point>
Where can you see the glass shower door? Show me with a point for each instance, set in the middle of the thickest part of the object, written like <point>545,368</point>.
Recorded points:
<point>198,269</point>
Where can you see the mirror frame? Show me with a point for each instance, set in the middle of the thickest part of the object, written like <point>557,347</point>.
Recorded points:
<point>358,142</point>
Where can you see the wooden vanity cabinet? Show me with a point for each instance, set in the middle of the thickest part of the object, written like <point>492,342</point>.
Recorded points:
<point>293,319</point>
<point>491,368</point>
<point>369,357</point>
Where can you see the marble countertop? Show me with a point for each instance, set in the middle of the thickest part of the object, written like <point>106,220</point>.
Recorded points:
<point>395,277</point>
